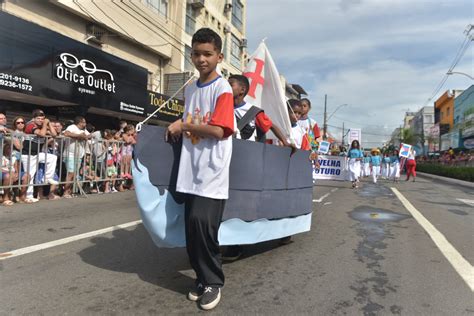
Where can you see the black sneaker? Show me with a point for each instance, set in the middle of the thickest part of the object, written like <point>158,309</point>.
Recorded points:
<point>232,253</point>
<point>196,294</point>
<point>210,298</point>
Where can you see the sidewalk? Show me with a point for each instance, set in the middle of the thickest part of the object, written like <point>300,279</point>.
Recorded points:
<point>446,179</point>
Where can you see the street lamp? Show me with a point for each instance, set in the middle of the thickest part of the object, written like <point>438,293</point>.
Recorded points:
<point>459,73</point>
<point>326,118</point>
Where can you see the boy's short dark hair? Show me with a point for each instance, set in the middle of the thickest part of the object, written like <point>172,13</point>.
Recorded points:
<point>307,101</point>
<point>79,119</point>
<point>206,35</point>
<point>294,102</point>
<point>241,79</point>
<point>38,113</point>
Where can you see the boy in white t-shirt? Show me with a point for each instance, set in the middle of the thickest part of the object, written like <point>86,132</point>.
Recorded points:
<point>206,127</point>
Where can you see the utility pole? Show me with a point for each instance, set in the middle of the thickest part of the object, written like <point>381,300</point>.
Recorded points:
<point>342,140</point>
<point>325,126</point>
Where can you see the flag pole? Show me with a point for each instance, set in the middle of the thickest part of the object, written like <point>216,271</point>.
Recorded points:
<point>138,128</point>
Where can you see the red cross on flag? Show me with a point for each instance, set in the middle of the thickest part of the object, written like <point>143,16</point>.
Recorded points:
<point>266,90</point>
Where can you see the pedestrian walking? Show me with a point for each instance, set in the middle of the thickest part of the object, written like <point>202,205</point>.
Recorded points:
<point>355,156</point>
<point>375,161</point>
<point>411,164</point>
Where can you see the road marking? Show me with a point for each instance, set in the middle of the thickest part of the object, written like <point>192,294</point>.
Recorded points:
<point>461,265</point>
<point>54,243</point>
<point>468,202</point>
<point>325,196</point>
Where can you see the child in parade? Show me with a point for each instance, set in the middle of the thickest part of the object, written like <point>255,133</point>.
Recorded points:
<point>298,134</point>
<point>260,123</point>
<point>395,166</point>
<point>309,125</point>
<point>366,166</point>
<point>385,166</point>
<point>375,161</point>
<point>203,175</point>
<point>355,156</point>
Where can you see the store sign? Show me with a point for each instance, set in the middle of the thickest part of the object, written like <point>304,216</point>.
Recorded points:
<point>469,143</point>
<point>84,72</point>
<point>37,61</point>
<point>172,110</point>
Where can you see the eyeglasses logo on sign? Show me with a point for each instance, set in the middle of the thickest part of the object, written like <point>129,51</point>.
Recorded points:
<point>64,71</point>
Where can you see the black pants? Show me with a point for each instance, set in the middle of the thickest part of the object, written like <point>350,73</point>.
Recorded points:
<point>203,217</point>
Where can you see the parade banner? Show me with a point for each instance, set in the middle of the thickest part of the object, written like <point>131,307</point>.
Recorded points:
<point>331,168</point>
<point>324,147</point>
<point>405,150</point>
<point>355,134</point>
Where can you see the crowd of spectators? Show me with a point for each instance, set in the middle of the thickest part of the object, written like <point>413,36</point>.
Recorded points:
<point>49,159</point>
<point>449,157</point>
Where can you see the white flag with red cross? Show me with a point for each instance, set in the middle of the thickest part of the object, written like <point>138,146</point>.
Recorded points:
<point>266,91</point>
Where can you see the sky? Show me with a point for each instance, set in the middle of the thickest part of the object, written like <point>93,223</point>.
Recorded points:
<point>381,57</point>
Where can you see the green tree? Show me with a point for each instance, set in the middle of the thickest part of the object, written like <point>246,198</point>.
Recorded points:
<point>408,136</point>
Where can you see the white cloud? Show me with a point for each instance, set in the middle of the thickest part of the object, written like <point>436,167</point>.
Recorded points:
<point>381,57</point>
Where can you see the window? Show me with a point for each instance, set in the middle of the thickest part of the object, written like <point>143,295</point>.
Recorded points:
<point>447,111</point>
<point>235,52</point>
<point>237,14</point>
<point>188,64</point>
<point>159,6</point>
<point>190,20</point>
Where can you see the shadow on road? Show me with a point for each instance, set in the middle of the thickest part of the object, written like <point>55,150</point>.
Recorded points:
<point>133,251</point>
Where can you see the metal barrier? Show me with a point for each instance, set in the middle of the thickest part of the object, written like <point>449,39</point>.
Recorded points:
<point>29,161</point>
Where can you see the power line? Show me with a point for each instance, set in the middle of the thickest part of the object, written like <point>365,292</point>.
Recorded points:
<point>459,55</point>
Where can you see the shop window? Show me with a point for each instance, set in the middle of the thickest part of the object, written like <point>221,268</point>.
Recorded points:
<point>188,64</point>
<point>235,52</point>
<point>237,14</point>
<point>159,6</point>
<point>190,26</point>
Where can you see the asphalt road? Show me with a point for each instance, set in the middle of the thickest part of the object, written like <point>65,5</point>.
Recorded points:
<point>365,254</point>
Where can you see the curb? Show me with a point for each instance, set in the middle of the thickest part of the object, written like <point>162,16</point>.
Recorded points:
<point>446,179</point>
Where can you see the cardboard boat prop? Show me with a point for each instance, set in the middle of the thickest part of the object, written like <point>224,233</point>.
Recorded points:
<point>270,193</point>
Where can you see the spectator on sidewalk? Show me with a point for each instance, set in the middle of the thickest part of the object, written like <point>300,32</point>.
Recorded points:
<point>36,132</point>
<point>74,151</point>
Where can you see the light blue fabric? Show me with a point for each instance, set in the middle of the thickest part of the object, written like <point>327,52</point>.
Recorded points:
<point>355,153</point>
<point>386,160</point>
<point>375,160</point>
<point>394,159</point>
<point>164,219</point>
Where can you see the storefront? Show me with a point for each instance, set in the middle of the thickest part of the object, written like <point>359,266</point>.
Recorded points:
<point>64,77</point>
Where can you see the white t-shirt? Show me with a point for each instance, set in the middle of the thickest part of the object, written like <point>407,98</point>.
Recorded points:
<point>297,134</point>
<point>204,163</point>
<point>70,149</point>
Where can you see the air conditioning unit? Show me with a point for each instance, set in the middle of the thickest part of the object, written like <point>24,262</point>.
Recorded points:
<point>243,43</point>
<point>227,28</point>
<point>196,4</point>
